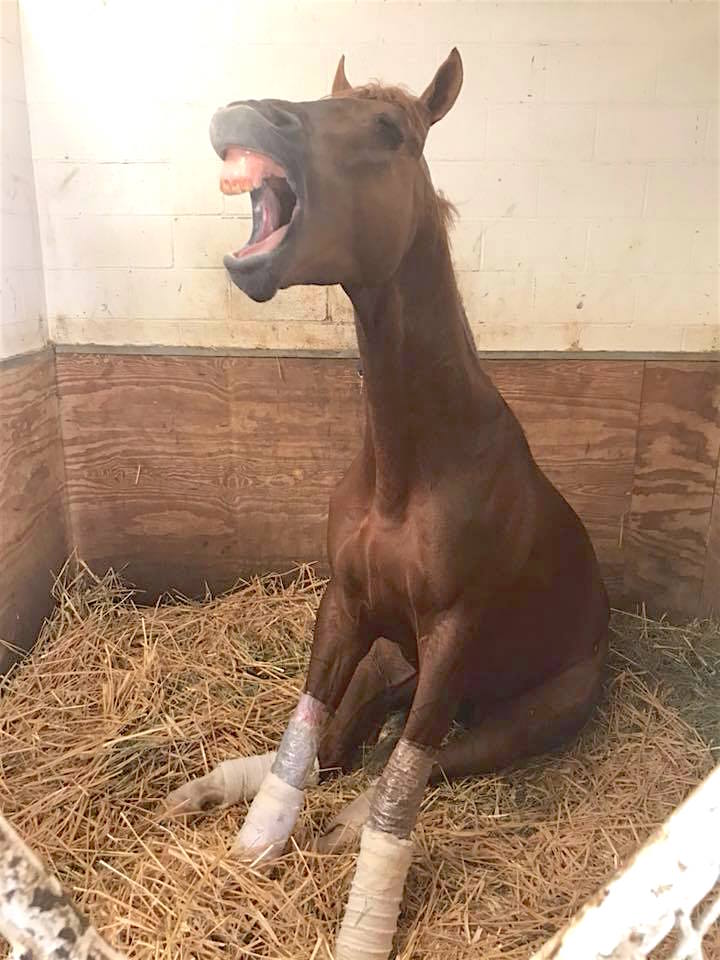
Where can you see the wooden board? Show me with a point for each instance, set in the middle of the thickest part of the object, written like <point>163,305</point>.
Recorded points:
<point>673,488</point>
<point>32,521</point>
<point>188,470</point>
<point>710,605</point>
<point>580,418</point>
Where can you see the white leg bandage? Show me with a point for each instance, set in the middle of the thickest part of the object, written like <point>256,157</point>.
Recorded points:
<point>371,914</point>
<point>230,782</point>
<point>242,778</point>
<point>275,809</point>
<point>270,821</point>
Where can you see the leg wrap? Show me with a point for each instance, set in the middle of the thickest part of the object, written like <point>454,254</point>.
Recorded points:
<point>371,914</point>
<point>298,748</point>
<point>230,782</point>
<point>400,790</point>
<point>270,820</point>
<point>241,779</point>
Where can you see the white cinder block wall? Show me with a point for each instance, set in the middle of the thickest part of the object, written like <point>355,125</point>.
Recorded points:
<point>23,319</point>
<point>582,156</point>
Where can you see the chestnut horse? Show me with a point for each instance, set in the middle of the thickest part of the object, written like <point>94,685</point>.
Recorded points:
<point>463,585</point>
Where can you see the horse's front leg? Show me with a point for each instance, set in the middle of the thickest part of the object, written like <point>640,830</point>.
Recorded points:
<point>340,642</point>
<point>370,920</point>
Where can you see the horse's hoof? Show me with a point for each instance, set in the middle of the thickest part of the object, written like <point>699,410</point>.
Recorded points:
<point>340,838</point>
<point>194,797</point>
<point>344,829</point>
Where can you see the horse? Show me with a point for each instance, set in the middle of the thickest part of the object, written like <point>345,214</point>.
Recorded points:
<point>463,586</point>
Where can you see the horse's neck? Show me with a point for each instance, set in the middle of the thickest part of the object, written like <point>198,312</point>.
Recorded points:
<point>421,375</point>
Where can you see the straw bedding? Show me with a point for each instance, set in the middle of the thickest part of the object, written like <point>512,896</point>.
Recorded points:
<point>119,703</point>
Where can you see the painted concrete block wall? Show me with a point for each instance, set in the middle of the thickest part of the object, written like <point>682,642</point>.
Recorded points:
<point>582,156</point>
<point>23,318</point>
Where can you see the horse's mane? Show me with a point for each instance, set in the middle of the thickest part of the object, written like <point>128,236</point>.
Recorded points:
<point>447,209</point>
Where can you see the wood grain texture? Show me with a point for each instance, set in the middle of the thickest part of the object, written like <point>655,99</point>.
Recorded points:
<point>580,418</point>
<point>673,487</point>
<point>188,470</point>
<point>193,470</point>
<point>710,605</point>
<point>33,539</point>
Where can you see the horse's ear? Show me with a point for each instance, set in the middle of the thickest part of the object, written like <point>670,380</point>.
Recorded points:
<point>444,87</point>
<point>340,82</point>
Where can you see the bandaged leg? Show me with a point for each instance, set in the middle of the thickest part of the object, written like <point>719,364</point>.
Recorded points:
<point>345,828</point>
<point>269,822</point>
<point>373,906</point>
<point>277,804</point>
<point>370,919</point>
<point>230,782</point>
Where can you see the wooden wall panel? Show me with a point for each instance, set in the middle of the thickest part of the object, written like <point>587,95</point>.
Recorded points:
<point>710,605</point>
<point>194,469</point>
<point>33,539</point>
<point>187,470</point>
<point>580,418</point>
<point>673,488</point>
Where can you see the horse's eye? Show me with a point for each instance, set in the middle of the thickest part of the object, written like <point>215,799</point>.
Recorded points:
<point>390,134</point>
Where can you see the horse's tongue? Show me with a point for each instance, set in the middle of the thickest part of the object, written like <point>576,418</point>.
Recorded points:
<point>270,213</point>
<point>244,170</point>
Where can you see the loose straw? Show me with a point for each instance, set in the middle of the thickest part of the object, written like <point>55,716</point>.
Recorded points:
<point>121,703</point>
<point>659,889</point>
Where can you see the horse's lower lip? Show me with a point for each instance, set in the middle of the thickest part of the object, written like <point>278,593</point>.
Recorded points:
<point>258,277</point>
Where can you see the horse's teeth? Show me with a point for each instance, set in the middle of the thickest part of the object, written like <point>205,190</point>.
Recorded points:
<point>236,184</point>
<point>245,170</point>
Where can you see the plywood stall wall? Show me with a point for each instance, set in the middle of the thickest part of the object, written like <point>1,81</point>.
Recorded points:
<point>32,529</point>
<point>673,560</point>
<point>581,155</point>
<point>33,538</point>
<point>195,469</point>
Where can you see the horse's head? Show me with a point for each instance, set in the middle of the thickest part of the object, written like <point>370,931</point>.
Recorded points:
<point>337,185</point>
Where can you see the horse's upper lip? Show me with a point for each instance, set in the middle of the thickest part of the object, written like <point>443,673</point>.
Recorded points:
<point>243,127</point>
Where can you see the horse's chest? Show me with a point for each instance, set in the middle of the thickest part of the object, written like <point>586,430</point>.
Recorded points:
<point>374,558</point>
<point>377,565</point>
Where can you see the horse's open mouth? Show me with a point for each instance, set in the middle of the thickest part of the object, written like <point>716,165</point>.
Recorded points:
<point>274,202</point>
